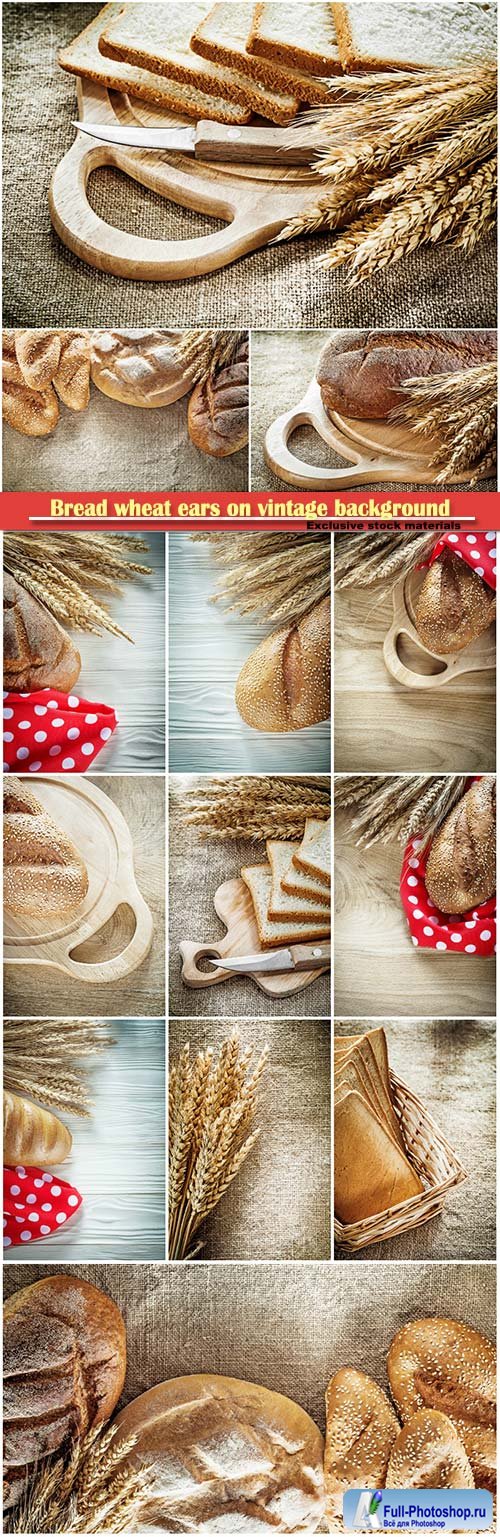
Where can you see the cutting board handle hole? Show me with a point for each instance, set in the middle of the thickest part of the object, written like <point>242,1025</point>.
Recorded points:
<point>109,941</point>
<point>202,961</point>
<point>143,211</point>
<point>418,661</point>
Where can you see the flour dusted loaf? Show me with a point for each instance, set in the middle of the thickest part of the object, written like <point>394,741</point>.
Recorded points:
<point>438,1363</point>
<point>31,1135</point>
<point>36,652</point>
<point>454,605</point>
<point>43,871</point>
<point>228,1456</point>
<point>218,408</point>
<point>415,37</point>
<point>461,866</point>
<point>361,1429</point>
<point>285,684</point>
<point>360,373</point>
<point>64,1368</point>
<point>139,368</point>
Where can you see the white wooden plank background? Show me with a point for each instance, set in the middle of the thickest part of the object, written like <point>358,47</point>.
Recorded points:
<point>118,1156</point>
<point>208,647</point>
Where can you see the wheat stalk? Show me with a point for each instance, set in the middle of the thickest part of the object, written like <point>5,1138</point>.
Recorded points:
<point>204,353</point>
<point>252,807</point>
<point>61,570</point>
<point>37,1058</point>
<point>212,1109</point>
<point>92,1487</point>
<point>275,578</point>
<point>379,556</point>
<point>397,806</point>
<point>458,410</point>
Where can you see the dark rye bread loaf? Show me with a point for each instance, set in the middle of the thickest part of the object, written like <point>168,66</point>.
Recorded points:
<point>218,408</point>
<point>64,1368</point>
<point>360,373</point>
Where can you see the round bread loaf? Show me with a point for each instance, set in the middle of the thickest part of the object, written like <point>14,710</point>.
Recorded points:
<point>32,1135</point>
<point>360,373</point>
<point>64,1368</point>
<point>285,683</point>
<point>228,1456</point>
<point>140,368</point>
<point>437,1363</point>
<point>461,866</point>
<point>428,1454</point>
<point>361,1428</point>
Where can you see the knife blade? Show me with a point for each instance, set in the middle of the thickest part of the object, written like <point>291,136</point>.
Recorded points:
<point>206,141</point>
<point>290,958</point>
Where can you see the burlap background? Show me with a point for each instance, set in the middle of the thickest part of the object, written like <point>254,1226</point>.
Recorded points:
<point>277,287</point>
<point>197,869</point>
<point>287,1326</point>
<point>283,366</point>
<point>278,1206</point>
<point>450,1066</point>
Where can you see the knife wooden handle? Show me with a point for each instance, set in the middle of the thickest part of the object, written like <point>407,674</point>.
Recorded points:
<point>305,957</point>
<point>265,146</point>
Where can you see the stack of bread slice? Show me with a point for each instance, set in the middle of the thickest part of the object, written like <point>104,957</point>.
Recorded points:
<point>291,893</point>
<point>372,1168</point>
<point>225,62</point>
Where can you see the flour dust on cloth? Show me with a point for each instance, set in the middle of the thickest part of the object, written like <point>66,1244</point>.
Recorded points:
<point>35,1204</point>
<point>50,732</point>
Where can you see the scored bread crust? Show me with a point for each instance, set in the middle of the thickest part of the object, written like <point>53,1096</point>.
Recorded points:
<point>231,1455</point>
<point>72,378</point>
<point>31,1135</point>
<point>360,373</point>
<point>461,866</point>
<point>429,1454</point>
<point>296,54</point>
<point>454,606</point>
<point>139,367</point>
<point>43,871</point>
<point>64,1369</point>
<point>361,1428</point>
<point>218,409</point>
<point>439,1363</point>
<point>284,685</point>
<point>35,413</point>
<point>37,652</point>
<point>38,354</point>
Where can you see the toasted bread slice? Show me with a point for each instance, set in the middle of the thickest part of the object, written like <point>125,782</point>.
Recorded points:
<point>316,49</point>
<point>83,57</point>
<point>314,854</point>
<point>222,37</point>
<point>285,904</point>
<point>272,934</point>
<point>368,38</point>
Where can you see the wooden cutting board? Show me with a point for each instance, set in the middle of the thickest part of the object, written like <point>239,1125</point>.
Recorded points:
<point>233,904</point>
<point>435,669</point>
<point>375,451</point>
<point>255,202</point>
<point>101,835</point>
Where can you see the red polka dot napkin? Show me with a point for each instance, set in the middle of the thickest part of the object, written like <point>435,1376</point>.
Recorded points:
<point>478,550</point>
<point>473,933</point>
<point>50,732</point>
<point>35,1204</point>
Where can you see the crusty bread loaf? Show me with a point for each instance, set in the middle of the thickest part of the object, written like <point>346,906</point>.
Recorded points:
<point>284,904</point>
<point>274,932</point>
<point>454,605</point>
<point>38,354</point>
<point>72,378</point>
<point>285,684</point>
<point>222,37</point>
<point>428,1454</point>
<point>315,852</point>
<point>36,652</point>
<point>34,413</point>
<point>361,1429</point>
<point>314,49</point>
<point>231,1456</point>
<point>43,871</point>
<point>64,1369</point>
<point>218,408</point>
<point>360,373</point>
<point>425,34</point>
<point>82,57</point>
<point>438,1363</point>
<point>32,1135</point>
<point>139,368</point>
<point>461,866</point>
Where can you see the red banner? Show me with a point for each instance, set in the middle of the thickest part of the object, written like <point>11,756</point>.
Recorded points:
<point>422,509</point>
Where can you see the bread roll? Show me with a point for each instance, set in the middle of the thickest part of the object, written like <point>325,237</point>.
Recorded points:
<point>229,1456</point>
<point>361,1429</point>
<point>35,413</point>
<point>31,1135</point>
<point>218,409</point>
<point>438,1363</point>
<point>360,373</point>
<point>428,1454</point>
<point>285,684</point>
<point>140,368</point>
<point>38,354</point>
<point>461,866</point>
<point>43,871</point>
<point>36,651</point>
<point>72,379</point>
<point>454,606</point>
<point>64,1368</point>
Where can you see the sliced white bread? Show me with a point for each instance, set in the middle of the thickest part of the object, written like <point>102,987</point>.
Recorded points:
<point>82,57</point>
<point>285,904</point>
<point>371,37</point>
<point>229,32</point>
<point>272,934</point>
<point>157,37</point>
<point>316,49</point>
<point>222,37</point>
<point>314,854</point>
<point>298,883</point>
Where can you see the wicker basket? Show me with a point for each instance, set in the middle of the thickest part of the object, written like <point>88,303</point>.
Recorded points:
<point>435,1162</point>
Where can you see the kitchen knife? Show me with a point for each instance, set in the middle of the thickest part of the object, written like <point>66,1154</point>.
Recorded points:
<point>293,958</point>
<point>207,141</point>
